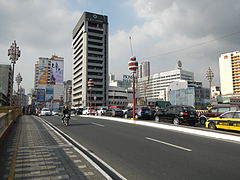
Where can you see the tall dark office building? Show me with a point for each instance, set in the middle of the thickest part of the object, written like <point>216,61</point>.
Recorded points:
<point>90,60</point>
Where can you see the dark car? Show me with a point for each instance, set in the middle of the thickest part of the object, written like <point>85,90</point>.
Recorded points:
<point>79,111</point>
<point>141,112</point>
<point>177,115</point>
<point>216,111</point>
<point>114,112</point>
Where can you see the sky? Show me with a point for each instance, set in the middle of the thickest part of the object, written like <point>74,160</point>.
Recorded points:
<point>162,32</point>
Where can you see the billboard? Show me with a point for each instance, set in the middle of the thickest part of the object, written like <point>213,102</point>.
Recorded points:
<point>49,94</point>
<point>56,75</point>
<point>40,95</point>
<point>43,75</point>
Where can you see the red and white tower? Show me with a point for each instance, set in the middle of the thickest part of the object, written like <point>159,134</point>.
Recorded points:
<point>133,66</point>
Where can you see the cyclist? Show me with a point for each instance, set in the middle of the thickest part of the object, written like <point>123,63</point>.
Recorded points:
<point>65,112</point>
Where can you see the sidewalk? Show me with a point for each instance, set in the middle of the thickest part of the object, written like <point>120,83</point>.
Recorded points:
<point>34,151</point>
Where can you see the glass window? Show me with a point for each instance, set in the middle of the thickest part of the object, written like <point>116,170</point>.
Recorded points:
<point>228,115</point>
<point>237,115</point>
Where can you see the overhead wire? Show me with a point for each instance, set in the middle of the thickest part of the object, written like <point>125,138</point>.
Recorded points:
<point>193,46</point>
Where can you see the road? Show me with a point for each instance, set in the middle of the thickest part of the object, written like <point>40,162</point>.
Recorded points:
<point>139,152</point>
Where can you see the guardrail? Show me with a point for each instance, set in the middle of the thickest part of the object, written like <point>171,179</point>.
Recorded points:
<point>8,115</point>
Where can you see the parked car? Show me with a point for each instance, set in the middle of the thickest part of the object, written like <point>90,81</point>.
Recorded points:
<point>114,112</point>
<point>101,111</point>
<point>79,111</point>
<point>87,111</point>
<point>229,121</point>
<point>141,112</point>
<point>177,115</point>
<point>45,112</point>
<point>216,111</point>
<point>54,113</point>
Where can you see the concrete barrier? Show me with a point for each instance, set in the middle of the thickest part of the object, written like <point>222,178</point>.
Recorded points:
<point>8,116</point>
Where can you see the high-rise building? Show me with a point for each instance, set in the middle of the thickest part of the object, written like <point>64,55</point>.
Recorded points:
<point>144,69</point>
<point>49,79</point>
<point>229,66</point>
<point>90,59</point>
<point>5,84</point>
<point>156,86</point>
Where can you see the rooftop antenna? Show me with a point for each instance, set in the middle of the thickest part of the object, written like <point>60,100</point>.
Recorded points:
<point>130,41</point>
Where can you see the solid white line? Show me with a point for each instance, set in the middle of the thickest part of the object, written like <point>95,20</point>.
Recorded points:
<point>98,124</point>
<point>176,146</point>
<point>80,152</point>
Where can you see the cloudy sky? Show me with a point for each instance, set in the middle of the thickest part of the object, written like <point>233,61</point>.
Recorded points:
<point>162,31</point>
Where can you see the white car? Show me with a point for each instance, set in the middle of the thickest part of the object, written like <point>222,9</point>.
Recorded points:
<point>86,111</point>
<point>45,112</point>
<point>101,111</point>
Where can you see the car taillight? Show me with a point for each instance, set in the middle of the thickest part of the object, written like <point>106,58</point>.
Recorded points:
<point>183,113</point>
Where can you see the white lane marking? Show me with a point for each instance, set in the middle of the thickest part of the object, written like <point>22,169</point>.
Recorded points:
<point>169,144</point>
<point>84,155</point>
<point>98,124</point>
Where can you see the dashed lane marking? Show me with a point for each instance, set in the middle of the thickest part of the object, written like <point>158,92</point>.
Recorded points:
<point>169,144</point>
<point>98,124</point>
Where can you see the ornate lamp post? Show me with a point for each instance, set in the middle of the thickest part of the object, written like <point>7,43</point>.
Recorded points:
<point>19,80</point>
<point>69,100</point>
<point>90,85</point>
<point>209,76</point>
<point>13,53</point>
<point>133,66</point>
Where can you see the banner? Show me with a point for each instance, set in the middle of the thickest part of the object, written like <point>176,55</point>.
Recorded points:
<point>40,95</point>
<point>49,94</point>
<point>56,75</point>
<point>43,75</point>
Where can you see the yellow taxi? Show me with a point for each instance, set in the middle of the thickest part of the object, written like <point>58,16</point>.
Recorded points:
<point>229,120</point>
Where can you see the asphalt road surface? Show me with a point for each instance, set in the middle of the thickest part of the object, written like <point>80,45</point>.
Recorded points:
<point>139,152</point>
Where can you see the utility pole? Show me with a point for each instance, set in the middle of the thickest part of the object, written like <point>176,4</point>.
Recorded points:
<point>209,76</point>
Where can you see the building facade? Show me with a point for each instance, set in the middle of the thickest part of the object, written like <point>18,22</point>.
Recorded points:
<point>229,66</point>
<point>156,86</point>
<point>48,82</point>
<point>144,69</point>
<point>5,84</point>
<point>90,60</point>
<point>189,93</point>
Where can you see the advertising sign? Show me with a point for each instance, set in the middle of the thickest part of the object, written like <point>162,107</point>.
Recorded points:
<point>40,95</point>
<point>49,93</point>
<point>56,76</point>
<point>43,75</point>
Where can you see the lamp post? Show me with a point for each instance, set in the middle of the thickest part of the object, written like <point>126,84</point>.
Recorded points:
<point>18,80</point>
<point>209,76</point>
<point>133,66</point>
<point>90,85</point>
<point>13,53</point>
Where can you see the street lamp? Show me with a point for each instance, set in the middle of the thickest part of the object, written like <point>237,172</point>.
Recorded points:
<point>18,80</point>
<point>209,76</point>
<point>133,66</point>
<point>13,53</point>
<point>90,85</point>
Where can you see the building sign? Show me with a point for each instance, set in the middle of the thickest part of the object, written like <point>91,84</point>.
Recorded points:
<point>40,95</point>
<point>56,75</point>
<point>43,75</point>
<point>49,94</point>
<point>127,78</point>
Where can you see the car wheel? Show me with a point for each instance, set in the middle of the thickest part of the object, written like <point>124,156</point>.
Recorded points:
<point>176,121</point>
<point>202,121</point>
<point>157,119</point>
<point>125,116</point>
<point>212,126</point>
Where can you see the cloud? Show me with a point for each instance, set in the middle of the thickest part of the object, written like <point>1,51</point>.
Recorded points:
<point>195,32</point>
<point>41,29</point>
